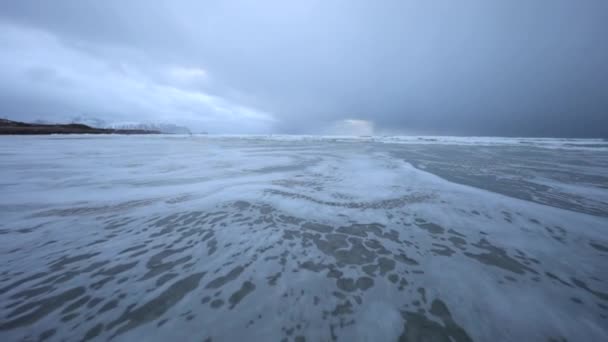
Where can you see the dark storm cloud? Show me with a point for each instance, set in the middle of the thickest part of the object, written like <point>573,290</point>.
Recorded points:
<point>442,67</point>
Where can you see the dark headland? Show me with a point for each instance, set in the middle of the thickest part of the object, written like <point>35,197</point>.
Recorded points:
<point>9,127</point>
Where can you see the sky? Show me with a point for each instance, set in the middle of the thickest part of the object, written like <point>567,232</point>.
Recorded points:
<point>440,67</point>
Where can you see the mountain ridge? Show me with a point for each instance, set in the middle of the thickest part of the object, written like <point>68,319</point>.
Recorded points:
<point>10,127</point>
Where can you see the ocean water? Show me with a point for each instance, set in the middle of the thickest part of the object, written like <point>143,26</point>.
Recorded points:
<point>272,238</point>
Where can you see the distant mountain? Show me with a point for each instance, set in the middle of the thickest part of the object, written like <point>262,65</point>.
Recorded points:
<point>89,121</point>
<point>9,127</point>
<point>167,128</point>
<point>43,122</point>
<point>163,127</point>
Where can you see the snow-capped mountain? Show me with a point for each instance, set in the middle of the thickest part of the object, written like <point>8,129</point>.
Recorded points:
<point>163,127</point>
<point>89,121</point>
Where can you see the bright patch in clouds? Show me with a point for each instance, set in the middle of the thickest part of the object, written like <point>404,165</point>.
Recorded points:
<point>188,75</point>
<point>352,127</point>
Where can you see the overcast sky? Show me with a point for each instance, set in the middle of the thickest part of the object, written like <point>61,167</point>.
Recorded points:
<point>467,67</point>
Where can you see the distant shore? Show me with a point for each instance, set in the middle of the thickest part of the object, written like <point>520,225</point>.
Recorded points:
<point>9,127</point>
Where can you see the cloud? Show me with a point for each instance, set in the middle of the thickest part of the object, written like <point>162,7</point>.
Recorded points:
<point>187,76</point>
<point>470,67</point>
<point>45,79</point>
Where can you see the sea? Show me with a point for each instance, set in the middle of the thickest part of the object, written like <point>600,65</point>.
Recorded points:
<point>303,238</point>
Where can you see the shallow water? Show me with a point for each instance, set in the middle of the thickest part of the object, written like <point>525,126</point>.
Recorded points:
<point>302,238</point>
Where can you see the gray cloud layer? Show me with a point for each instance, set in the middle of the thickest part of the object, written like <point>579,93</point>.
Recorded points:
<point>474,67</point>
